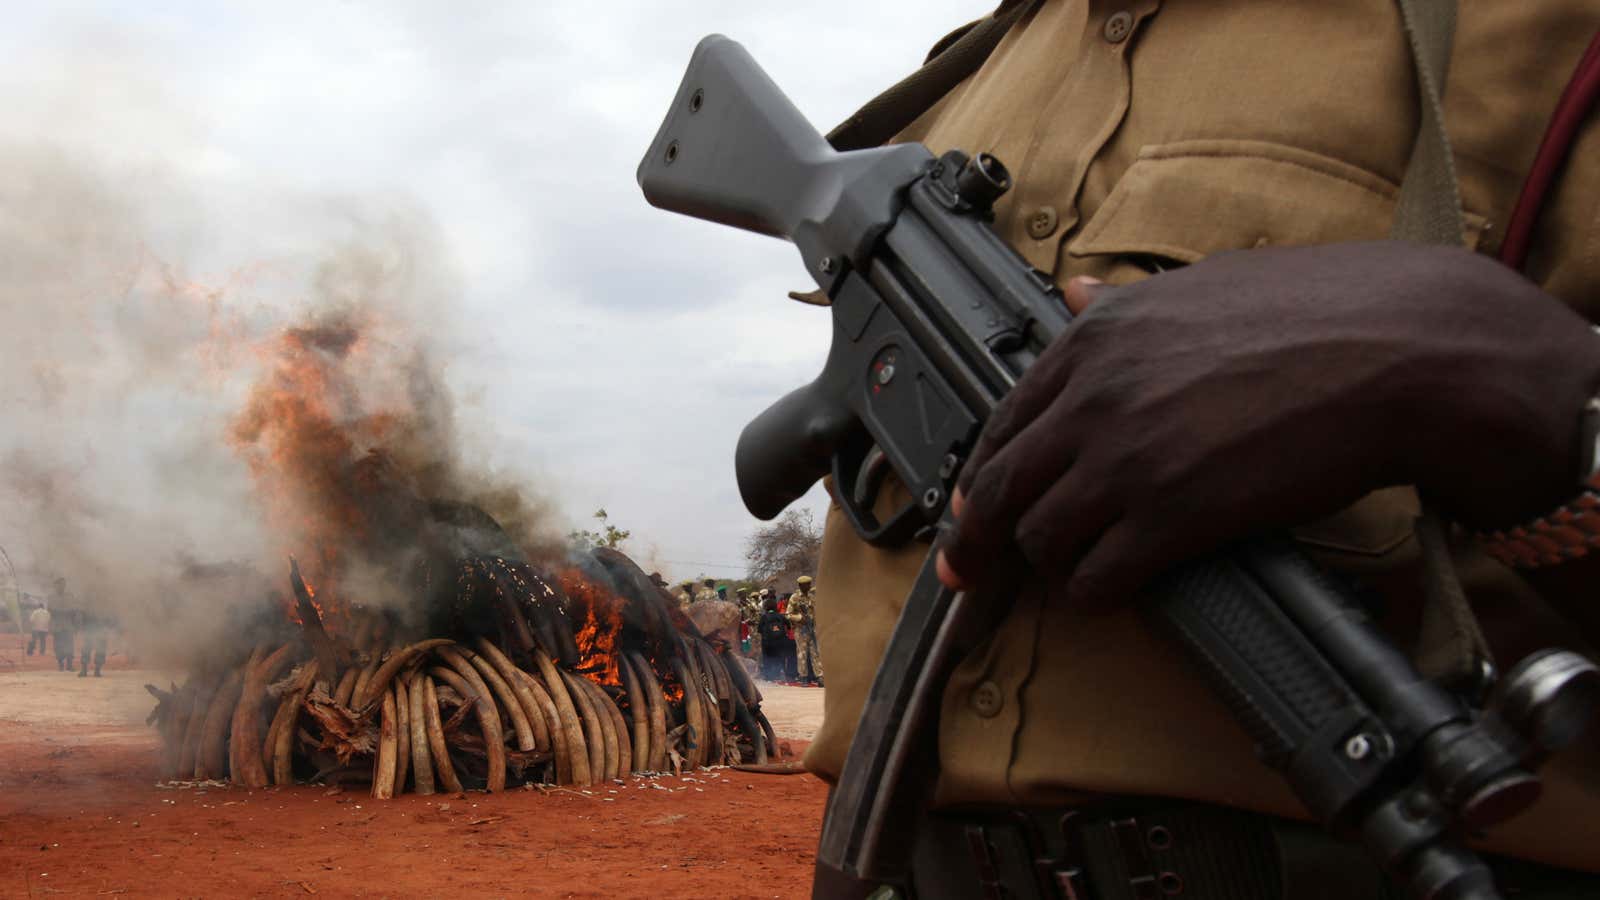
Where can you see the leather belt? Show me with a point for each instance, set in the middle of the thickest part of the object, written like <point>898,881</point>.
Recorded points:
<point>1166,850</point>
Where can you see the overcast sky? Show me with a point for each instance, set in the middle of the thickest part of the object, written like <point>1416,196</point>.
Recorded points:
<point>615,350</point>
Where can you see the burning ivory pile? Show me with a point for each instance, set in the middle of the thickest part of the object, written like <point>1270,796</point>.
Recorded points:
<point>593,674</point>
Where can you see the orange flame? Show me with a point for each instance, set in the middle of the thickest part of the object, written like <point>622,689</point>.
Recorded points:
<point>598,635</point>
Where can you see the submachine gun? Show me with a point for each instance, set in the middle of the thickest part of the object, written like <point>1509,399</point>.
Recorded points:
<point>934,320</point>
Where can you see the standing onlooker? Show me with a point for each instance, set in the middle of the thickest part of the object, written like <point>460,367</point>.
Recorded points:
<point>38,628</point>
<point>95,637</point>
<point>791,664</point>
<point>802,616</point>
<point>67,622</point>
<point>773,627</point>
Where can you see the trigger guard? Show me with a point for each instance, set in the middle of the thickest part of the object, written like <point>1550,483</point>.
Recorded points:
<point>900,527</point>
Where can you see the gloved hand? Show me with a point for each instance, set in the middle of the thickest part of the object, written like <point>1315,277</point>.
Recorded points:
<point>1267,388</point>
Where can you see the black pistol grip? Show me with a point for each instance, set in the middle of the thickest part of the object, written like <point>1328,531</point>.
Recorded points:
<point>785,449</point>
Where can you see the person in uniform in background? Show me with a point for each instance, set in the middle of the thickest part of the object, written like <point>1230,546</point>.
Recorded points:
<point>802,616</point>
<point>791,672</point>
<point>685,594</point>
<point>96,636</point>
<point>707,591</point>
<point>749,622</point>
<point>1213,187</point>
<point>64,627</point>
<point>773,627</point>
<point>38,629</point>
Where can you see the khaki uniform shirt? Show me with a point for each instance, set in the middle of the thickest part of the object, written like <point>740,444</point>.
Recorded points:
<point>801,610</point>
<point>705,594</point>
<point>1189,129</point>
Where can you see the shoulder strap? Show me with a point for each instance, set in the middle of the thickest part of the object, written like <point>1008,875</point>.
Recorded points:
<point>889,113</point>
<point>1429,206</point>
<point>1451,646</point>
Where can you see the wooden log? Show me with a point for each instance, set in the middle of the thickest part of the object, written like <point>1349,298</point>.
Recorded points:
<point>577,746</point>
<point>594,734</point>
<point>484,677</point>
<point>490,655</point>
<point>402,721</point>
<point>383,766</point>
<point>246,766</point>
<point>347,685</point>
<point>657,701</point>
<point>286,721</point>
<point>382,675</point>
<point>477,695</point>
<point>211,758</point>
<point>694,733</point>
<point>421,764</point>
<point>620,726</point>
<point>437,750</point>
<point>552,717</point>
<point>638,715</point>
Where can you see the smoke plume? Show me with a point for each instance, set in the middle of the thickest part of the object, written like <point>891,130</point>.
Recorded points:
<point>188,396</point>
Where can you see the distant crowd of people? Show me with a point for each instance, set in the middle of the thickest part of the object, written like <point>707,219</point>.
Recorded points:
<point>69,630</point>
<point>778,630</point>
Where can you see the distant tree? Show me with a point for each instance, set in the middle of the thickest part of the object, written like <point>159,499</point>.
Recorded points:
<point>784,550</point>
<point>605,535</point>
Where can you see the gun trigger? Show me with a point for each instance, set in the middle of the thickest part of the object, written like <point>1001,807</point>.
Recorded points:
<point>873,469</point>
<point>817,297</point>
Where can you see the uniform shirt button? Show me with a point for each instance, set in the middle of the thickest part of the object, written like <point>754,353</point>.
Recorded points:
<point>987,700</point>
<point>1119,26</point>
<point>1042,223</point>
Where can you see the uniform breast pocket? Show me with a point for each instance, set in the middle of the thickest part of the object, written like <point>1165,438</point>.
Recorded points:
<point>1183,201</point>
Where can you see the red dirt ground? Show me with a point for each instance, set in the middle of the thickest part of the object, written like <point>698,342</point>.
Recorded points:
<point>81,815</point>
